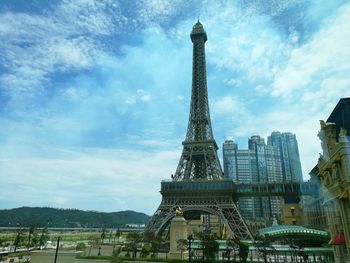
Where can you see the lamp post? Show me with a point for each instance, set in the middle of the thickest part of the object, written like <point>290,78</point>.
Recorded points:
<point>190,238</point>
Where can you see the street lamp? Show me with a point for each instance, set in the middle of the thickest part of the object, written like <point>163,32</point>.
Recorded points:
<point>190,238</point>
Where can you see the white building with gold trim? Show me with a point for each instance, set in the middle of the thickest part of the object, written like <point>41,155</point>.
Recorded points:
<point>334,174</point>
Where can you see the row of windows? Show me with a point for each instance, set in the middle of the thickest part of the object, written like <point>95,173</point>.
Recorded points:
<point>197,186</point>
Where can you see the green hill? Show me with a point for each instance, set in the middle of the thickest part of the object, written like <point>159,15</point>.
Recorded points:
<point>53,217</point>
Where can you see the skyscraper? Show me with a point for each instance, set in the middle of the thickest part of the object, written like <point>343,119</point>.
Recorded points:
<point>289,154</point>
<point>275,162</point>
<point>258,163</point>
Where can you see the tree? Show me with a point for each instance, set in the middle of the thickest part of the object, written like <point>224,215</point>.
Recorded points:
<point>145,251</point>
<point>80,246</point>
<point>155,242</point>
<point>18,239</point>
<point>182,245</point>
<point>210,247</point>
<point>134,239</point>
<point>155,245</point>
<point>243,251</point>
<point>32,229</point>
<point>44,237</point>
<point>117,234</point>
<point>35,239</point>
<point>110,236</point>
<point>103,234</point>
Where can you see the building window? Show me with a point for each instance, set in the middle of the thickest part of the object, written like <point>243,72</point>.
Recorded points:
<point>292,211</point>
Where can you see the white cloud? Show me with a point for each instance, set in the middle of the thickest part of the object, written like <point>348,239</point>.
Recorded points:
<point>71,54</point>
<point>141,95</point>
<point>244,53</point>
<point>93,16</point>
<point>326,55</point>
<point>149,10</point>
<point>225,105</point>
<point>74,93</point>
<point>76,175</point>
<point>233,82</point>
<point>34,46</point>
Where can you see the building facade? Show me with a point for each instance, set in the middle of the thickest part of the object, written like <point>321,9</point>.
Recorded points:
<point>333,171</point>
<point>314,215</point>
<point>276,161</point>
<point>289,154</point>
<point>245,166</point>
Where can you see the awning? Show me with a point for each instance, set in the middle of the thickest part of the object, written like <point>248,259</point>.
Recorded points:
<point>338,239</point>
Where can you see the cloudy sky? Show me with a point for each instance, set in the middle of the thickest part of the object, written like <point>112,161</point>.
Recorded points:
<point>94,95</point>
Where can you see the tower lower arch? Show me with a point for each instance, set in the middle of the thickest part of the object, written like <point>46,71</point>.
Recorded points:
<point>208,196</point>
<point>208,210</point>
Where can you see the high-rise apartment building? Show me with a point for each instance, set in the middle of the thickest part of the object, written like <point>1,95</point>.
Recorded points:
<point>276,161</point>
<point>258,163</point>
<point>289,154</point>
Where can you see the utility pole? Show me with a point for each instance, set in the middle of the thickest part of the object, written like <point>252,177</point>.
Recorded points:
<point>58,244</point>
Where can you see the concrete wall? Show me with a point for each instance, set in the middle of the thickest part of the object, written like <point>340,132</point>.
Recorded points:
<point>45,256</point>
<point>65,256</point>
<point>106,250</point>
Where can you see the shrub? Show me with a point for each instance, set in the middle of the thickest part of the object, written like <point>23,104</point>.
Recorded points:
<point>80,246</point>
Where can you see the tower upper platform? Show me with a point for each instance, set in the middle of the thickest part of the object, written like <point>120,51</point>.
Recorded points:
<point>198,31</point>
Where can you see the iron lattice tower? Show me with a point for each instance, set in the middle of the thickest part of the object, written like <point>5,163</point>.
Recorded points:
<point>199,158</point>
<point>198,183</point>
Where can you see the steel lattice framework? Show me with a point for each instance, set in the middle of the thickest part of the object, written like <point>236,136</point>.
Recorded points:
<point>199,158</point>
<point>198,183</point>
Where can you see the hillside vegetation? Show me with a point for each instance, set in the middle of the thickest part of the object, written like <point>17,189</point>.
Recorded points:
<point>53,217</point>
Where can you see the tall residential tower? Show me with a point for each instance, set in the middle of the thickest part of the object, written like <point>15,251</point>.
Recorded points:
<point>275,162</point>
<point>289,154</point>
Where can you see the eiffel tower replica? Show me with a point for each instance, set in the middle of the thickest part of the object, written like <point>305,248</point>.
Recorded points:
<point>198,185</point>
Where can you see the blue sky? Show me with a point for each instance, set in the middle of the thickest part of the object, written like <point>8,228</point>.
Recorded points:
<point>95,95</point>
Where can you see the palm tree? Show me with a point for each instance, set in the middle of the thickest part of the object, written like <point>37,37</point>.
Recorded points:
<point>103,234</point>
<point>117,234</point>
<point>32,229</point>
<point>18,239</point>
<point>43,237</point>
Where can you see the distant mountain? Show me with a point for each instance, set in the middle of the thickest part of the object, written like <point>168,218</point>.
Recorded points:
<point>53,217</point>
